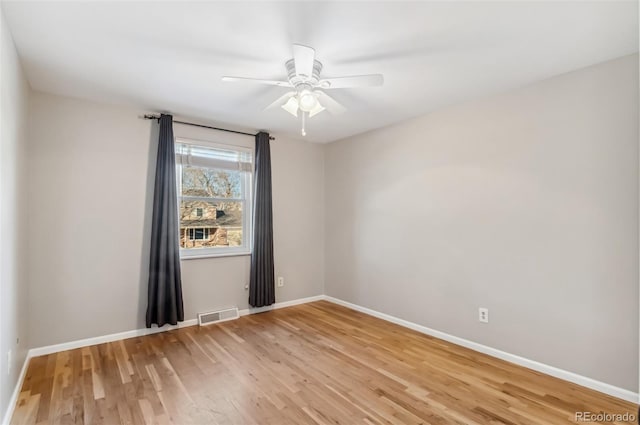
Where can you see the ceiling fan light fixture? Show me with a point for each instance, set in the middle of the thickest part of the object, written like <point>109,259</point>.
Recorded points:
<point>315,111</point>
<point>303,76</point>
<point>291,106</point>
<point>307,100</point>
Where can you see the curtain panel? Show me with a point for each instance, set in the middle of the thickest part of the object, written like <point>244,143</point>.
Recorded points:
<point>262,281</point>
<point>165,285</point>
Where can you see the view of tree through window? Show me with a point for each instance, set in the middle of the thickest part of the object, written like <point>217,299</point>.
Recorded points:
<point>212,201</point>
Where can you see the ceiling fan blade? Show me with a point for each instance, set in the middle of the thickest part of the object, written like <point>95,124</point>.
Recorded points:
<point>352,81</point>
<point>303,57</point>
<point>330,103</point>
<point>256,81</point>
<point>281,100</point>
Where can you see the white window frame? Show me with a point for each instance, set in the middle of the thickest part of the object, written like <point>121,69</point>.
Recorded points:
<point>246,188</point>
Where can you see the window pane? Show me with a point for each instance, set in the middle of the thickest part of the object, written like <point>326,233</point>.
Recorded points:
<point>207,182</point>
<point>205,224</point>
<point>213,153</point>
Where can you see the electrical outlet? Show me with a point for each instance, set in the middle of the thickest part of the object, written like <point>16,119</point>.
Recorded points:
<point>9,362</point>
<point>483,315</point>
<point>280,282</point>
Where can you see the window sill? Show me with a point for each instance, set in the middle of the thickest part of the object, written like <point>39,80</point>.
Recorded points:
<point>210,255</point>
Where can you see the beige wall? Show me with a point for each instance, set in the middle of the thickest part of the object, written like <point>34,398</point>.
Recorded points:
<point>525,203</point>
<point>91,173</point>
<point>13,286</point>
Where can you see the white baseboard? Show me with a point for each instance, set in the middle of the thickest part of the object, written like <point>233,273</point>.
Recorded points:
<point>41,351</point>
<point>512,358</point>
<point>16,392</point>
<point>281,305</point>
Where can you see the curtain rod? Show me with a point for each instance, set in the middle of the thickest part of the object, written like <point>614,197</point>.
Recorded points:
<point>155,117</point>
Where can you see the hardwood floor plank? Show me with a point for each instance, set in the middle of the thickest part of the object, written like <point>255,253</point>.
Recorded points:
<point>26,408</point>
<point>317,363</point>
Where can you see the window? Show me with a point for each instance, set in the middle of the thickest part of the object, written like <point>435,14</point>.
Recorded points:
<point>198,234</point>
<point>214,198</point>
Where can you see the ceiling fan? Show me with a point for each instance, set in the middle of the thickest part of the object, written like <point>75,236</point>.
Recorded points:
<point>303,75</point>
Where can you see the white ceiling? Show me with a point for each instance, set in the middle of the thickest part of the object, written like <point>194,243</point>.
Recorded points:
<point>169,56</point>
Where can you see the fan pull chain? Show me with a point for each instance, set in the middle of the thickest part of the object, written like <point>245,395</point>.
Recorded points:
<point>304,131</point>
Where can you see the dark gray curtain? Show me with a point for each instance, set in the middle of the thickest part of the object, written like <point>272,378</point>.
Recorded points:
<point>165,287</point>
<point>262,283</point>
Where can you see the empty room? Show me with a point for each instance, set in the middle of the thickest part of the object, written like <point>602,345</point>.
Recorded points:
<point>319,212</point>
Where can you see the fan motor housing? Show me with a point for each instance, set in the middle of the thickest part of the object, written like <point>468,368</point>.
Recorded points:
<point>300,80</point>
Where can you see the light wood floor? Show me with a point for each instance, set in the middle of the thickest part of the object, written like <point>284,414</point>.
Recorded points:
<point>313,363</point>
